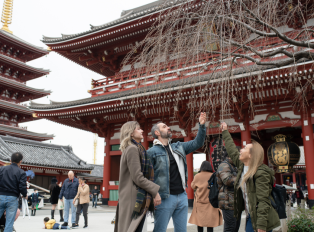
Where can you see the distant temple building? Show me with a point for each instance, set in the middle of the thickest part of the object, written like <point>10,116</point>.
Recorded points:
<point>102,49</point>
<point>45,160</point>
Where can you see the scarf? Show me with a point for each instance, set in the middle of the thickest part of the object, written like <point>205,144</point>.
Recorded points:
<point>144,200</point>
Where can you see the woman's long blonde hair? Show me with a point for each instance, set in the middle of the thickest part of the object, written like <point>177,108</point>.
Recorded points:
<point>125,134</point>
<point>257,158</point>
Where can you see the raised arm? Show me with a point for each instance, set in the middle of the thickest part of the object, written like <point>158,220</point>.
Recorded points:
<point>133,162</point>
<point>231,148</point>
<point>199,139</point>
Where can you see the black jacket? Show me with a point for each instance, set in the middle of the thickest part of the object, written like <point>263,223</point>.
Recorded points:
<point>54,192</point>
<point>69,189</point>
<point>12,181</point>
<point>95,191</point>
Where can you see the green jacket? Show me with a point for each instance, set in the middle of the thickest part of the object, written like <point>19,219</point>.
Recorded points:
<point>263,215</point>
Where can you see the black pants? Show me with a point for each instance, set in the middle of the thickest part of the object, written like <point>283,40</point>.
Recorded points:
<point>231,224</point>
<point>201,229</point>
<point>78,211</point>
<point>140,226</point>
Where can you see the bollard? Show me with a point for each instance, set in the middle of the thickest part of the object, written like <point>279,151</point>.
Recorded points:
<point>288,210</point>
<point>302,205</point>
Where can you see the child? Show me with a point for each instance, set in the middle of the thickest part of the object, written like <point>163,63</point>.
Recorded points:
<point>35,199</point>
<point>51,224</point>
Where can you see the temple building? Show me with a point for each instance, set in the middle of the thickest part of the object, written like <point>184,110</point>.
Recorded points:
<point>45,160</point>
<point>102,49</point>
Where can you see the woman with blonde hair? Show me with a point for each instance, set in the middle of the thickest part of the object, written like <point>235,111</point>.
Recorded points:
<point>253,185</point>
<point>204,214</point>
<point>136,181</point>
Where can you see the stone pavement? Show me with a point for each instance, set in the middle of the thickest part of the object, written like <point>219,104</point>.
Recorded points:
<point>99,219</point>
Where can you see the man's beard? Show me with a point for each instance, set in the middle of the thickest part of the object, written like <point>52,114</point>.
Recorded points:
<point>165,135</point>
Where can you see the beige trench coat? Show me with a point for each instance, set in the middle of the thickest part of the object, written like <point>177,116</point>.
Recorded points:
<point>130,173</point>
<point>204,214</point>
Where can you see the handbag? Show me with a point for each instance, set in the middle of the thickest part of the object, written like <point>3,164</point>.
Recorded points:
<point>76,202</point>
<point>60,205</point>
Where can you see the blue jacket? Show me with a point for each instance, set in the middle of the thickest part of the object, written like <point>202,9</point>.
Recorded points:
<point>160,160</point>
<point>69,189</point>
<point>35,197</point>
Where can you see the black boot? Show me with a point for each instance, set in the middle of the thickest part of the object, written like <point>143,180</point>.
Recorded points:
<point>85,222</point>
<point>34,212</point>
<point>52,214</point>
<point>61,215</point>
<point>65,224</point>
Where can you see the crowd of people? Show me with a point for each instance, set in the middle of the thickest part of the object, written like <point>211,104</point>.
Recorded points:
<point>155,181</point>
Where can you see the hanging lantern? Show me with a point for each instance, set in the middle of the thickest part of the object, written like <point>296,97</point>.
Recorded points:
<point>283,153</point>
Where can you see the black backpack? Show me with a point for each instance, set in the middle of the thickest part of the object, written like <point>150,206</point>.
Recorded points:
<point>214,188</point>
<point>279,193</point>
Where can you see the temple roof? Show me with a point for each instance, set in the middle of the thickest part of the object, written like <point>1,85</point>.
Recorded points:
<point>41,154</point>
<point>145,89</point>
<point>21,86</point>
<point>97,172</point>
<point>15,107</point>
<point>22,43</point>
<point>23,65</point>
<point>126,16</point>
<point>18,132</point>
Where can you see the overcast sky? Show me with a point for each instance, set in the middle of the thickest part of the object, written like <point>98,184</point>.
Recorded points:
<point>68,81</point>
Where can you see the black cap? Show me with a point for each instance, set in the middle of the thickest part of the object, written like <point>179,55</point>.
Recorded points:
<point>54,180</point>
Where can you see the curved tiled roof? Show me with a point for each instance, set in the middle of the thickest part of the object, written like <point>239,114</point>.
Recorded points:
<point>22,64</point>
<point>126,16</point>
<point>145,89</point>
<point>15,107</point>
<point>15,131</point>
<point>41,154</point>
<point>22,42</point>
<point>22,86</point>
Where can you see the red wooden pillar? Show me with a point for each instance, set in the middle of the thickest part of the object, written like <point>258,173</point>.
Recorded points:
<point>107,164</point>
<point>294,180</point>
<point>308,143</point>
<point>246,134</point>
<point>189,161</point>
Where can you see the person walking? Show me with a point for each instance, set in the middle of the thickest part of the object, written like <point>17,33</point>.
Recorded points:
<point>35,200</point>
<point>253,185</point>
<point>226,177</point>
<point>299,195</point>
<point>204,214</point>
<point>170,167</point>
<point>69,191</point>
<point>83,202</point>
<point>138,194</point>
<point>95,193</point>
<point>54,193</point>
<point>12,184</point>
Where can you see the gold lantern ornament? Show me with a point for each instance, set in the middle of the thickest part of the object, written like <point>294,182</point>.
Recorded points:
<point>283,154</point>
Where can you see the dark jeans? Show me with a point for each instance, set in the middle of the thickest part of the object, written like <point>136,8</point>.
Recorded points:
<point>249,227</point>
<point>201,229</point>
<point>95,201</point>
<point>231,224</point>
<point>78,210</point>
<point>140,226</point>
<point>57,226</point>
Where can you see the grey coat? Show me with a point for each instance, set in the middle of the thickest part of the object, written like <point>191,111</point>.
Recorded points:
<point>130,177</point>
